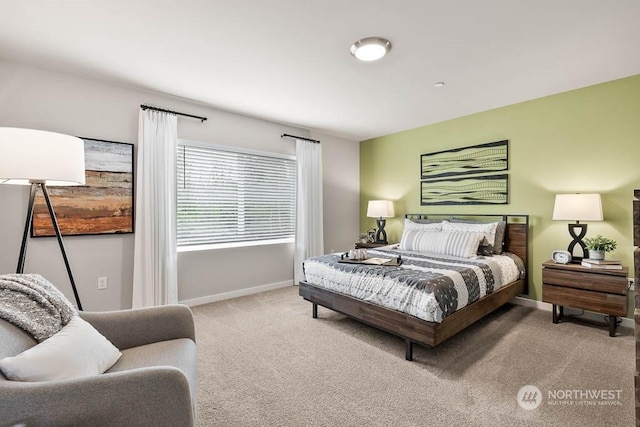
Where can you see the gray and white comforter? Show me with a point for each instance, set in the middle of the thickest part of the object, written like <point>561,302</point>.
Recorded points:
<point>429,287</point>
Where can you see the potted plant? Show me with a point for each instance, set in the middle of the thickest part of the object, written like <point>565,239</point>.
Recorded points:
<point>599,245</point>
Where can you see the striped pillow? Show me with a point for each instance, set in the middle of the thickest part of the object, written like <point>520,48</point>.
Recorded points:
<point>488,229</point>
<point>412,228</point>
<point>454,243</point>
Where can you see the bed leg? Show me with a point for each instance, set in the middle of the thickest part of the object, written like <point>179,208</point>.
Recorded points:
<point>315,311</point>
<point>408,350</point>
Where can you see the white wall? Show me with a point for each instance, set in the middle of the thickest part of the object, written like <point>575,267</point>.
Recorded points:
<point>40,99</point>
<point>341,177</point>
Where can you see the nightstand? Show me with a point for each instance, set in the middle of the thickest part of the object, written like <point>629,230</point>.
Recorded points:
<point>360,245</point>
<point>572,285</point>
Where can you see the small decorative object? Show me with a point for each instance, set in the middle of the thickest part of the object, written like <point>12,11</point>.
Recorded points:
<point>598,245</point>
<point>372,235</point>
<point>364,238</point>
<point>561,257</point>
<point>358,254</point>
<point>380,209</point>
<point>577,207</point>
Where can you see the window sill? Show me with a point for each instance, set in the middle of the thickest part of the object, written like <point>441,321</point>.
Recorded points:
<point>193,248</point>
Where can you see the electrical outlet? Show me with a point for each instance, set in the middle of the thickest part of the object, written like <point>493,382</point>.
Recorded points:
<point>631,283</point>
<point>102,282</point>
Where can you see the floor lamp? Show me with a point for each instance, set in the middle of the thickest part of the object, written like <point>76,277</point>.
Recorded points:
<point>38,158</point>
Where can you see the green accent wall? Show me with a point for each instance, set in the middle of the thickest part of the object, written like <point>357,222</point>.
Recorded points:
<point>586,140</point>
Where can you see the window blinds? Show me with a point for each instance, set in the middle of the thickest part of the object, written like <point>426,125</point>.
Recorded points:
<point>226,196</point>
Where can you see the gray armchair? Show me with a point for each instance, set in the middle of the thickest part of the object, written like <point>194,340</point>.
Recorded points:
<point>153,384</point>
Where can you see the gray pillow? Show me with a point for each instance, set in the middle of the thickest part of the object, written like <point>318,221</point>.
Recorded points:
<point>496,248</point>
<point>425,221</point>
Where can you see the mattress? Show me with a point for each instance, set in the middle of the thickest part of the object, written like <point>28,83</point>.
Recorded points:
<point>429,287</point>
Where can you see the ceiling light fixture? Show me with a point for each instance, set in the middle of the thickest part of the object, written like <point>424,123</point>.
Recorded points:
<point>370,48</point>
<point>439,84</point>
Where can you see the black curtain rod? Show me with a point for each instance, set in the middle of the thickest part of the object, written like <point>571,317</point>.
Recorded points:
<point>286,135</point>
<point>148,107</point>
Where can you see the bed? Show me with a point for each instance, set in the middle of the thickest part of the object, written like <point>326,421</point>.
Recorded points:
<point>338,286</point>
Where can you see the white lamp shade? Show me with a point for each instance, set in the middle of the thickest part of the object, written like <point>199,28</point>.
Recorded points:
<point>28,155</point>
<point>578,207</point>
<point>380,209</point>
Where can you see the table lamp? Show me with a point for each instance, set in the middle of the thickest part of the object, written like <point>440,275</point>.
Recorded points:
<point>577,207</point>
<point>380,209</point>
<point>38,158</point>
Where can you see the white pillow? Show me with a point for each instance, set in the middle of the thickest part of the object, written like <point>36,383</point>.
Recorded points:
<point>454,243</point>
<point>76,351</point>
<point>411,229</point>
<point>487,229</point>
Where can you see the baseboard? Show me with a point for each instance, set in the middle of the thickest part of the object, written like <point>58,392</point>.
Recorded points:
<point>235,294</point>
<point>626,322</point>
<point>629,323</point>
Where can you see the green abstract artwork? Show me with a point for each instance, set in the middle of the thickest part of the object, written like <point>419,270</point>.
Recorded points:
<point>465,176</point>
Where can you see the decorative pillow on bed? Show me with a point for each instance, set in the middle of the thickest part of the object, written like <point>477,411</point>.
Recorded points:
<point>455,243</point>
<point>423,224</point>
<point>426,221</point>
<point>412,229</point>
<point>501,228</point>
<point>488,230</point>
<point>77,350</point>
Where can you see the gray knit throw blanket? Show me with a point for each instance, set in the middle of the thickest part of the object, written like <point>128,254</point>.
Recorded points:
<point>33,304</point>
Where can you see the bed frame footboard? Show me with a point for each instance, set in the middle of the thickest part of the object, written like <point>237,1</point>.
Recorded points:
<point>412,329</point>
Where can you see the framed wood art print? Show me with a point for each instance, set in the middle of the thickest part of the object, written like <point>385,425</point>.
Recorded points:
<point>104,205</point>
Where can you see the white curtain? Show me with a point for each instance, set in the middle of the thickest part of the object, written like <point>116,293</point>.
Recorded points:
<point>309,229</point>
<point>155,268</point>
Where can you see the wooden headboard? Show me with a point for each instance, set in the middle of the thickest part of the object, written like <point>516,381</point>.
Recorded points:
<point>516,239</point>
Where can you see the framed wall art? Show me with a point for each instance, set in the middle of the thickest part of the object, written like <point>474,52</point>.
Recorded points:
<point>104,205</point>
<point>477,159</point>
<point>466,176</point>
<point>481,190</point>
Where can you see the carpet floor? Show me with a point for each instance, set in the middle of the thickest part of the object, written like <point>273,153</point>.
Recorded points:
<point>264,361</point>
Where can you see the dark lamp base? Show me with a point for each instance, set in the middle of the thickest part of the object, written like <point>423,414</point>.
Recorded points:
<point>381,235</point>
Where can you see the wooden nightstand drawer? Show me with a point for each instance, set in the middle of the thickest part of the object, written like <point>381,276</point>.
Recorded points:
<point>572,285</point>
<point>600,302</point>
<point>592,281</point>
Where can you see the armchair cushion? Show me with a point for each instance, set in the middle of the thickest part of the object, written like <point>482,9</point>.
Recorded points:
<point>76,351</point>
<point>179,353</point>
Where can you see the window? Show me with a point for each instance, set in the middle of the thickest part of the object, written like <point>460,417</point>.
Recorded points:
<point>227,197</point>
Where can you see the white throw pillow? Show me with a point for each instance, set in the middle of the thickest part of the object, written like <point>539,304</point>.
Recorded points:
<point>77,350</point>
<point>487,229</point>
<point>454,243</point>
<point>411,231</point>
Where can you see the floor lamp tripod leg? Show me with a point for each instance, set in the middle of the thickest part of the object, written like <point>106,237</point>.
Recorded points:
<point>61,244</point>
<point>27,228</point>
